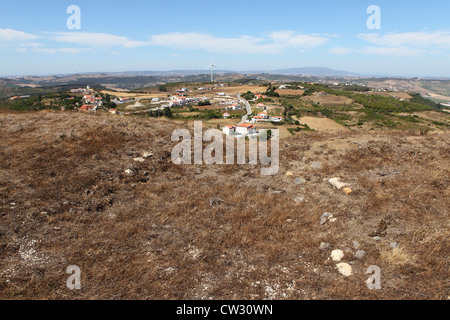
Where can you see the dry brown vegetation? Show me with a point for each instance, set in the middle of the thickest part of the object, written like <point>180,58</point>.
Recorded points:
<point>322,124</point>
<point>216,232</point>
<point>241,89</point>
<point>290,92</point>
<point>328,100</point>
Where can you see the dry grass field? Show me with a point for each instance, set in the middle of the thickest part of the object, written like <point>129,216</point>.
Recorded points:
<point>137,95</point>
<point>322,124</point>
<point>399,95</point>
<point>241,89</point>
<point>431,115</point>
<point>328,100</point>
<point>163,231</point>
<point>290,92</point>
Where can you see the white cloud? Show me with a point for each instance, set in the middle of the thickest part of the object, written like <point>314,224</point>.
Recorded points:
<point>407,43</point>
<point>415,39</point>
<point>98,40</point>
<point>59,50</point>
<point>17,40</point>
<point>9,35</point>
<point>193,40</point>
<point>340,50</point>
<point>295,40</point>
<point>275,42</point>
<point>271,43</point>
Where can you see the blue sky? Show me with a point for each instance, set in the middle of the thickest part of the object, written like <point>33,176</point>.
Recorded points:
<point>414,39</point>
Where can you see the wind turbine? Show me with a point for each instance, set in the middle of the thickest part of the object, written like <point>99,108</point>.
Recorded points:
<point>212,66</point>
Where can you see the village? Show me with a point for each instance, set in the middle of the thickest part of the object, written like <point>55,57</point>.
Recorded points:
<point>92,101</point>
<point>242,110</point>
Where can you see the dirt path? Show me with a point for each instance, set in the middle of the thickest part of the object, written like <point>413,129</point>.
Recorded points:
<point>138,104</point>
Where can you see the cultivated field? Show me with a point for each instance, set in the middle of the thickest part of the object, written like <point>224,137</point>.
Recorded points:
<point>73,193</point>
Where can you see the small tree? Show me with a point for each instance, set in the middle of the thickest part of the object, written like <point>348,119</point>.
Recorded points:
<point>167,113</point>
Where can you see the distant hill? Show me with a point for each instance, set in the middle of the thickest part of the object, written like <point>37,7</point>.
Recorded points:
<point>314,71</point>
<point>173,72</point>
<point>307,71</point>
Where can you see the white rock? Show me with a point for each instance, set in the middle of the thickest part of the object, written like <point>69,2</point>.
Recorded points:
<point>316,165</point>
<point>393,245</point>
<point>130,172</point>
<point>325,246</point>
<point>147,154</point>
<point>360,254</point>
<point>345,269</point>
<point>170,270</point>
<point>139,159</point>
<point>337,255</point>
<point>325,217</point>
<point>337,183</point>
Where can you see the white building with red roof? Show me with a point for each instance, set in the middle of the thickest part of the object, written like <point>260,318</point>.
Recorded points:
<point>264,115</point>
<point>245,129</point>
<point>229,130</point>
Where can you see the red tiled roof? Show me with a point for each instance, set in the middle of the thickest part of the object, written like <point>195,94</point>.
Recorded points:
<point>246,125</point>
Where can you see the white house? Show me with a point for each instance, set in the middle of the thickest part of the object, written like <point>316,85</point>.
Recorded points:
<point>263,115</point>
<point>259,119</point>
<point>246,129</point>
<point>226,115</point>
<point>229,130</point>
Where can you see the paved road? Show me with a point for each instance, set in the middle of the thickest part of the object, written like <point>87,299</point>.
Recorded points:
<point>247,105</point>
